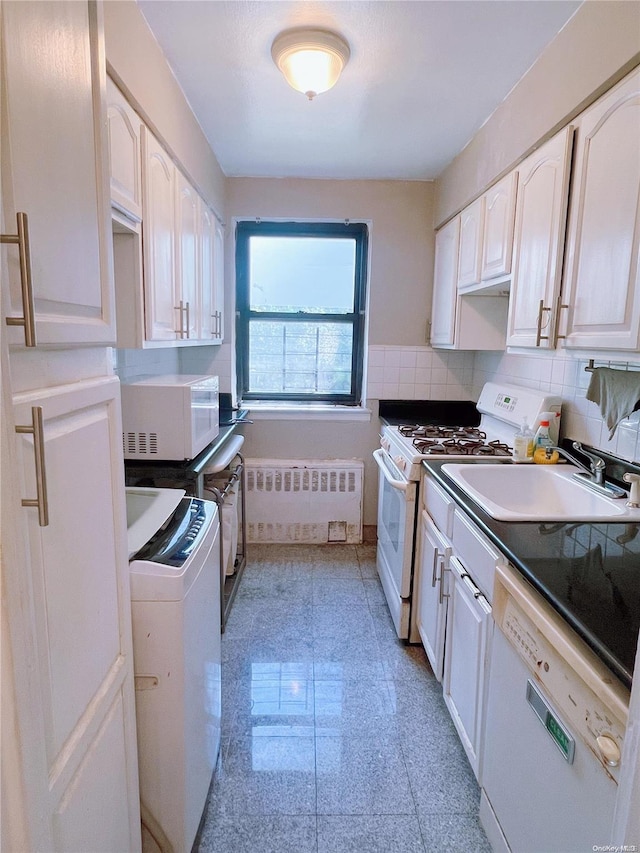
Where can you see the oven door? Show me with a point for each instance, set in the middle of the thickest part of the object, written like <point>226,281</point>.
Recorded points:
<point>396,537</point>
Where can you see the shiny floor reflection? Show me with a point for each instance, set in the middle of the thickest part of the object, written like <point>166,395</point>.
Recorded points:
<point>335,736</point>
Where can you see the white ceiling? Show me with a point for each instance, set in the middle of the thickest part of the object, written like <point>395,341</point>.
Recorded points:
<point>423,76</point>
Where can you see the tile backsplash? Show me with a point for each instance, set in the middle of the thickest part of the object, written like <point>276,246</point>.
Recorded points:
<point>422,373</point>
<point>564,375</point>
<point>208,360</point>
<point>416,373</point>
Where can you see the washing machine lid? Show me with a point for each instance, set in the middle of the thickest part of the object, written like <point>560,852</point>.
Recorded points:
<point>147,510</point>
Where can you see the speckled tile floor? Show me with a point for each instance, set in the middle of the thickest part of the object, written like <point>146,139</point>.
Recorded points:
<point>335,736</point>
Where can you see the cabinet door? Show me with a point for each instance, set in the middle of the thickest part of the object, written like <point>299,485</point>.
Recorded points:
<point>466,656</point>
<point>603,269</point>
<point>55,169</point>
<point>210,264</point>
<point>541,211</point>
<point>499,220</point>
<point>445,283</point>
<point>162,312</point>
<point>432,599</point>
<point>124,153</point>
<point>70,606</point>
<point>470,254</point>
<point>218,280</point>
<point>187,264</point>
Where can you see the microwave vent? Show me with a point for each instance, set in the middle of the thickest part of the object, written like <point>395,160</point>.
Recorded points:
<point>140,443</point>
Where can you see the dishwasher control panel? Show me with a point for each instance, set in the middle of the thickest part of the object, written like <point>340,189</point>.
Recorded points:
<point>573,707</point>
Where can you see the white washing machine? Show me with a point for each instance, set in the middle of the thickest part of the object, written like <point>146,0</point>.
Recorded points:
<point>175,604</point>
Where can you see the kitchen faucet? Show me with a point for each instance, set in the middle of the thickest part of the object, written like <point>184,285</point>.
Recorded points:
<point>593,475</point>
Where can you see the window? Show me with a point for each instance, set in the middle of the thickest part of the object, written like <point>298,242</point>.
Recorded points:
<point>301,310</point>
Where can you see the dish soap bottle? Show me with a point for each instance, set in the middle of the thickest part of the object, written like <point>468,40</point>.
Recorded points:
<point>542,437</point>
<point>523,444</point>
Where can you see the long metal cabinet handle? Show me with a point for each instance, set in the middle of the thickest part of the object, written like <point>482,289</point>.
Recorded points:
<point>180,309</point>
<point>559,306</point>
<point>443,594</point>
<point>539,336</point>
<point>188,323</point>
<point>26,285</point>
<point>435,567</point>
<point>36,429</point>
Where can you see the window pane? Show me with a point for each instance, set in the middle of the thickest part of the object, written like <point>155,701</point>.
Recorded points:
<point>292,274</point>
<point>299,358</point>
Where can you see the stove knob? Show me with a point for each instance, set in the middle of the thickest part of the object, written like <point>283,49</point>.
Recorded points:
<point>609,750</point>
<point>400,462</point>
<point>385,444</point>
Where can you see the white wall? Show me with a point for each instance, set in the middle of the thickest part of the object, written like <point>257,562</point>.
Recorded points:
<point>135,61</point>
<point>400,366</point>
<point>402,240</point>
<point>597,46</point>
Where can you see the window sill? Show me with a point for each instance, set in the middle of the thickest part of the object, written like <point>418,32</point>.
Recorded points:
<point>305,412</point>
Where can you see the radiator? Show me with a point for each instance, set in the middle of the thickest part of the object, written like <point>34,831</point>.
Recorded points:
<point>304,500</point>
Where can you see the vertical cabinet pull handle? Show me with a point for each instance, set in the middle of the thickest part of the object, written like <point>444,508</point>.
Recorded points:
<point>559,306</point>
<point>443,594</point>
<point>180,309</point>
<point>36,429</point>
<point>188,322</point>
<point>435,567</point>
<point>539,336</point>
<point>26,286</point>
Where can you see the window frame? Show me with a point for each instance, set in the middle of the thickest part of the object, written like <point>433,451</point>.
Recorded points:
<point>357,231</point>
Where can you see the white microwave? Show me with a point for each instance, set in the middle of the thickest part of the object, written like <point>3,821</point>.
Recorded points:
<point>169,417</point>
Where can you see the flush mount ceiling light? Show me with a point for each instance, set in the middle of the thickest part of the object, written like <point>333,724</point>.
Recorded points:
<point>310,59</point>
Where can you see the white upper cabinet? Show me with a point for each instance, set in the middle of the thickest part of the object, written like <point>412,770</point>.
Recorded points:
<point>162,317</point>
<point>187,260</point>
<point>54,80</point>
<point>499,219</point>
<point>125,157</point>
<point>170,291</point>
<point>211,241</point>
<point>541,210</point>
<point>486,236</point>
<point>445,279</point>
<point>470,251</point>
<point>602,282</point>
<point>459,321</point>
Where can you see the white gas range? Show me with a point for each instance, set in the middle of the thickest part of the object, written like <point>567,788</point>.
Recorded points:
<point>404,447</point>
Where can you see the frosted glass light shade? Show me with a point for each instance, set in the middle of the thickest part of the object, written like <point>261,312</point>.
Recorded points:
<point>311,60</point>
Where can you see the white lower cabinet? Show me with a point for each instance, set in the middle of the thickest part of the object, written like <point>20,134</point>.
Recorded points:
<point>70,619</point>
<point>469,629</point>
<point>455,583</point>
<point>431,618</point>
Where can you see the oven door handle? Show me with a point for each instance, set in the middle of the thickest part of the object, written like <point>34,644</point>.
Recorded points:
<point>400,485</point>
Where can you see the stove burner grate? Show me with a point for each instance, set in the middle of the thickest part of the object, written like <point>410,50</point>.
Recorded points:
<point>457,446</point>
<point>437,431</point>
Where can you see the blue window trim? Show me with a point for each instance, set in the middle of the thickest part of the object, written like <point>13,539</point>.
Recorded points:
<point>352,231</point>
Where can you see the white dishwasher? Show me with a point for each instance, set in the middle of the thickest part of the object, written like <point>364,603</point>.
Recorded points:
<point>555,723</point>
<point>175,605</point>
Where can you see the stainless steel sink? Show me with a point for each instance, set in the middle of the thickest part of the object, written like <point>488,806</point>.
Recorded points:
<point>536,493</point>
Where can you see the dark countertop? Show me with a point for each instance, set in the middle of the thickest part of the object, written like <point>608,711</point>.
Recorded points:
<point>589,573</point>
